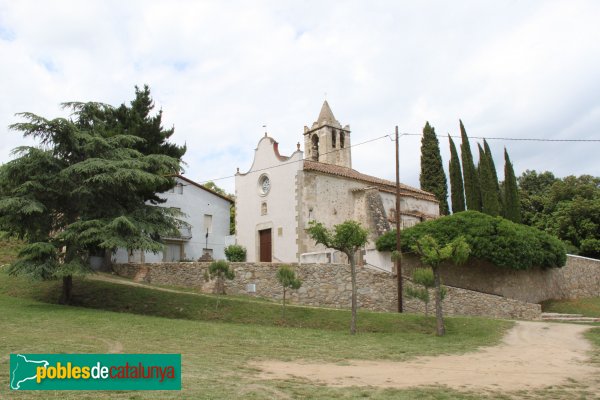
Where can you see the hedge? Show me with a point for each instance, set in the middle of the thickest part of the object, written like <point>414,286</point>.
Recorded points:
<point>494,239</point>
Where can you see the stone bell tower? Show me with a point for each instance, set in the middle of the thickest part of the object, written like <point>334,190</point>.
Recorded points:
<point>326,141</point>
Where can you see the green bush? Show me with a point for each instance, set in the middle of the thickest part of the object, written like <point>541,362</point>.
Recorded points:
<point>590,248</point>
<point>235,253</point>
<point>494,239</point>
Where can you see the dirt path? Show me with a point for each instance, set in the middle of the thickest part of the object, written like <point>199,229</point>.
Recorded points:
<point>532,355</point>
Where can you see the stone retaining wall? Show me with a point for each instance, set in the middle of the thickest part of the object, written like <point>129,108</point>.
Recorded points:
<point>327,285</point>
<point>580,277</point>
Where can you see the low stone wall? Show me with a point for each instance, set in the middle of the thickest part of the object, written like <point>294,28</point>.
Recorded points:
<point>327,285</point>
<point>580,277</point>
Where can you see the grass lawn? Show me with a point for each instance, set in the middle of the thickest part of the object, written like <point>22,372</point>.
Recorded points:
<point>9,248</point>
<point>589,307</point>
<point>217,345</point>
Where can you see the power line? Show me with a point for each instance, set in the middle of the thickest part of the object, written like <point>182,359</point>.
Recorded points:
<point>415,134</point>
<point>295,161</point>
<point>514,139</point>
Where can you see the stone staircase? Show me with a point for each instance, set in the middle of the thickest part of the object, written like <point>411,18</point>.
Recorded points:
<point>558,317</point>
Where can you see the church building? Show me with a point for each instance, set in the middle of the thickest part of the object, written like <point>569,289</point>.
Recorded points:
<point>279,195</point>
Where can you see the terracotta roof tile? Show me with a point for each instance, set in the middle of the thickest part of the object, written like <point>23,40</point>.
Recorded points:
<point>353,174</point>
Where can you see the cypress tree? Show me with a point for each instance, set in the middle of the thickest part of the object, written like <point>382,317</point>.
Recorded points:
<point>489,195</point>
<point>471,180</point>
<point>512,202</point>
<point>492,166</point>
<point>456,180</point>
<point>433,178</point>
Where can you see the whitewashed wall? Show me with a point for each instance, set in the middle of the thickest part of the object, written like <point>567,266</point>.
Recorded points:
<point>281,202</point>
<point>195,202</point>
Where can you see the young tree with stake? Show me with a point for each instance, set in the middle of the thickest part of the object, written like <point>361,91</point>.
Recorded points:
<point>287,277</point>
<point>433,255</point>
<point>347,237</point>
<point>220,270</point>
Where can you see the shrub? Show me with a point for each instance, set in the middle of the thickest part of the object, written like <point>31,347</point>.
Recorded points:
<point>288,279</point>
<point>220,271</point>
<point>423,281</point>
<point>235,253</point>
<point>494,239</point>
<point>590,248</point>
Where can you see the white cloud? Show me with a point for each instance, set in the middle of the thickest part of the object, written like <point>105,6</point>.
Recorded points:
<point>221,70</point>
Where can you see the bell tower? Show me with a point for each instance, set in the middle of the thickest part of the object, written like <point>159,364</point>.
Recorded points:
<point>327,141</point>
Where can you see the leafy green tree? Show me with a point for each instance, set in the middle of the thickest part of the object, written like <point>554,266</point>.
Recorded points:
<point>84,187</point>
<point>433,255</point>
<point>533,191</point>
<point>423,280</point>
<point>590,248</point>
<point>456,180</point>
<point>235,253</point>
<point>433,178</point>
<point>512,204</point>
<point>489,191</point>
<point>288,279</point>
<point>212,186</point>
<point>347,237</point>
<point>494,239</point>
<point>577,222</point>
<point>471,179</point>
<point>220,270</point>
<point>568,208</point>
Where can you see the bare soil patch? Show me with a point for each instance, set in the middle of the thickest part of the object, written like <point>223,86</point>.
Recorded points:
<point>532,355</point>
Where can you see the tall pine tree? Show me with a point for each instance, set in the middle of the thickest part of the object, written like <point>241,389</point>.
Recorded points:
<point>85,187</point>
<point>433,178</point>
<point>512,202</point>
<point>492,165</point>
<point>137,120</point>
<point>456,180</point>
<point>471,179</point>
<point>489,194</point>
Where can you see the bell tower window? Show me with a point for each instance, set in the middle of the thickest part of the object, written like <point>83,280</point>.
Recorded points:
<point>342,140</point>
<point>315,147</point>
<point>333,138</point>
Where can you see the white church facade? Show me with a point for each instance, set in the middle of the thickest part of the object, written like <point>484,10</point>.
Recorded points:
<point>279,195</point>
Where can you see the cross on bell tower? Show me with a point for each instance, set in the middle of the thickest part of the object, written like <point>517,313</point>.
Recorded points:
<point>327,141</point>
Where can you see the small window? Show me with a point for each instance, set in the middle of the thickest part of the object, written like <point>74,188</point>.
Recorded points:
<point>263,208</point>
<point>392,214</point>
<point>342,137</point>
<point>333,138</point>
<point>179,188</point>
<point>207,223</point>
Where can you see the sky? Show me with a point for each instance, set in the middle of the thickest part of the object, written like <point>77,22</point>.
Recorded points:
<point>222,70</point>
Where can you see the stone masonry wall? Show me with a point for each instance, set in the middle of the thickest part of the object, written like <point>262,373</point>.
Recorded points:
<point>327,285</point>
<point>580,277</point>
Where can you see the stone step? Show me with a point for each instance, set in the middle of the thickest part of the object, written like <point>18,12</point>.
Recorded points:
<point>582,320</point>
<point>559,315</point>
<point>568,317</point>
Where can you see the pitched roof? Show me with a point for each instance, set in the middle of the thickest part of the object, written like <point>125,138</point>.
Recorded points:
<point>325,118</point>
<point>326,115</point>
<point>191,182</point>
<point>383,184</point>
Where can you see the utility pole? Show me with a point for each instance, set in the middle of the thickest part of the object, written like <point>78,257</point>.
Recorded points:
<point>398,258</point>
